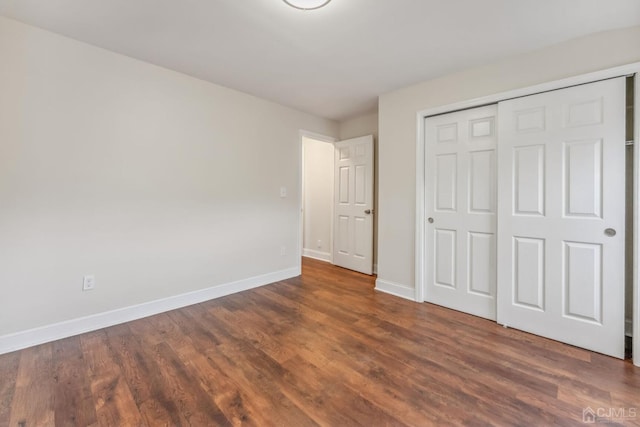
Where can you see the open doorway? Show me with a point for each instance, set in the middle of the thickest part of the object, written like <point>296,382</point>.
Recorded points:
<point>317,197</point>
<point>337,201</point>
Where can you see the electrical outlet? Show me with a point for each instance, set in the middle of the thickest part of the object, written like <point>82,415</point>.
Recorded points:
<point>283,250</point>
<point>88,282</point>
<point>283,191</point>
<point>319,245</point>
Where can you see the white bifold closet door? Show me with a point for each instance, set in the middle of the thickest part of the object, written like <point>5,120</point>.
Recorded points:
<point>461,207</point>
<point>561,212</point>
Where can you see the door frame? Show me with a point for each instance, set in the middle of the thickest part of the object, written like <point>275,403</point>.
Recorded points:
<point>636,222</point>
<point>420,237</point>
<point>318,137</point>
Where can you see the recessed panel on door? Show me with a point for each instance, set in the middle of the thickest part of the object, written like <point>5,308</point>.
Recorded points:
<point>582,182</point>
<point>343,184</point>
<point>583,281</point>
<point>482,264</point>
<point>529,272</point>
<point>361,185</point>
<point>343,235</point>
<point>530,120</point>
<point>481,127</point>
<point>446,182</point>
<point>482,181</point>
<point>447,133</point>
<point>584,113</point>
<point>445,254</point>
<point>529,180</point>
<point>361,229</point>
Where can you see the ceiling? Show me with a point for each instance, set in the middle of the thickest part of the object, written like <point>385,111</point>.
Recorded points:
<point>332,62</point>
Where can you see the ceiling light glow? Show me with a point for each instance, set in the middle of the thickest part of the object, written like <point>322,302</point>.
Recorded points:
<point>307,4</point>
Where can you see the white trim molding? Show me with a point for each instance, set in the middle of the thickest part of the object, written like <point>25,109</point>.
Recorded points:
<point>320,256</point>
<point>56,331</point>
<point>635,327</point>
<point>420,239</point>
<point>316,136</point>
<point>395,289</point>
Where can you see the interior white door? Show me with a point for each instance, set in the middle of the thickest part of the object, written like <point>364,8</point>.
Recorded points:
<point>561,212</point>
<point>353,222</point>
<point>461,209</point>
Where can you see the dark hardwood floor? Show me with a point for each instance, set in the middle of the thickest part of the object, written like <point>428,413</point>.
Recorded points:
<point>321,349</point>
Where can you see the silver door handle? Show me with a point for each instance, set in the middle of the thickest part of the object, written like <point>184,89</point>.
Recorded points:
<point>609,232</point>
<point>430,220</point>
<point>368,211</point>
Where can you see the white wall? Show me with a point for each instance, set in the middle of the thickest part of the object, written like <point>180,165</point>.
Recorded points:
<point>397,145</point>
<point>361,126</point>
<point>318,198</point>
<point>156,182</point>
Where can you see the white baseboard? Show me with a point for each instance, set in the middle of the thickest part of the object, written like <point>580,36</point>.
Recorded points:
<point>396,289</point>
<point>56,331</point>
<point>321,256</point>
<point>628,327</point>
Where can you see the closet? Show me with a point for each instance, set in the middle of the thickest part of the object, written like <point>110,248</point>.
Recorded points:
<point>525,213</point>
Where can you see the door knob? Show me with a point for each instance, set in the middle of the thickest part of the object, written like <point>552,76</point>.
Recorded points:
<point>609,232</point>
<point>368,211</point>
<point>430,220</point>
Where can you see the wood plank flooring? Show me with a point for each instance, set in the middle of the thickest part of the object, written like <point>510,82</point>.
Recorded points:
<point>320,349</point>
